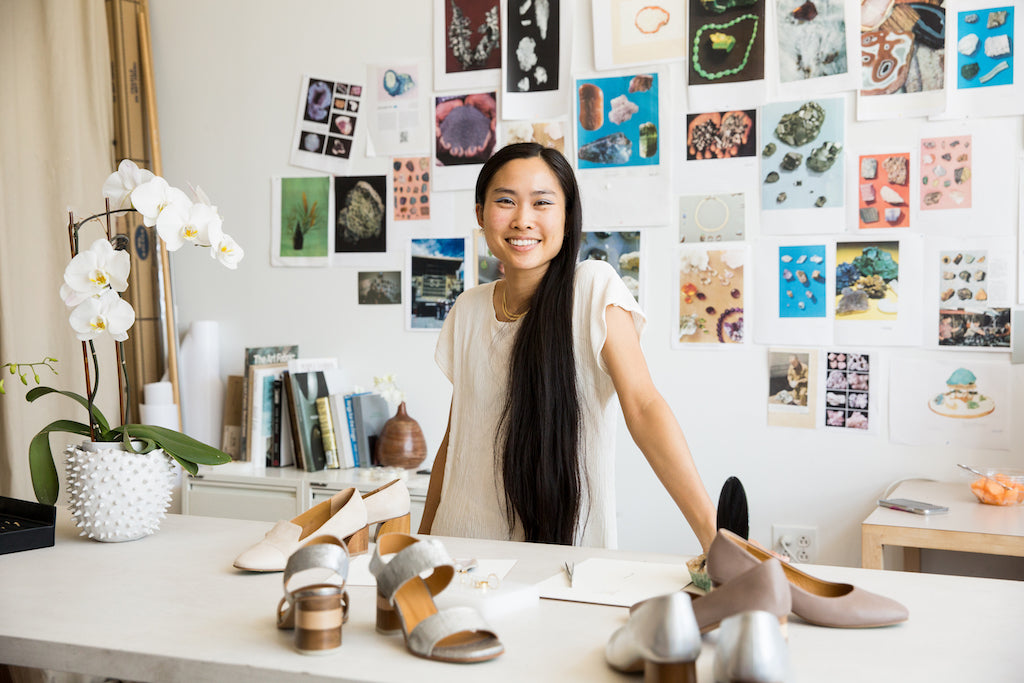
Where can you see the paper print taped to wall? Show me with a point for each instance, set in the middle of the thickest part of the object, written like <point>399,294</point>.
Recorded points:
<point>975,329</point>
<point>617,121</point>
<point>361,220</point>
<point>465,127</point>
<point>721,135</point>
<point>299,215</point>
<point>902,47</point>
<point>712,217</point>
<point>802,163</point>
<point>711,296</point>
<point>950,404</point>
<point>533,46</point>
<point>792,388</point>
<point>867,280</point>
<point>811,39</point>
<point>847,390</point>
<point>399,116</point>
<point>725,41</point>
<point>630,32</point>
<point>467,43</point>
<point>436,278</point>
<point>380,287</point>
<point>411,180</point>
<point>547,133</point>
<point>883,191</point>
<point>946,170</point>
<point>619,248</point>
<point>326,124</point>
<point>984,48</point>
<point>802,281</point>
<point>964,278</point>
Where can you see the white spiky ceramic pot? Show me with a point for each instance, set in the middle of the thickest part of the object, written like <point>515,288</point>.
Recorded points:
<point>116,495</point>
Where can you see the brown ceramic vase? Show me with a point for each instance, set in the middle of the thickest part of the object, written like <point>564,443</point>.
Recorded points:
<point>401,442</point>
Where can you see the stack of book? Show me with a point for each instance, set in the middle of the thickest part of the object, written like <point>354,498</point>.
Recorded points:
<point>304,412</point>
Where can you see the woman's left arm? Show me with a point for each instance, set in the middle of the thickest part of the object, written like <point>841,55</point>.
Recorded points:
<point>652,425</point>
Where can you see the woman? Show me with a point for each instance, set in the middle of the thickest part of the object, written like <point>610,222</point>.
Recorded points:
<point>535,360</point>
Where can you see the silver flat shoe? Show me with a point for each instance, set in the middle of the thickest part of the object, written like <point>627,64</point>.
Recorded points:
<point>661,639</point>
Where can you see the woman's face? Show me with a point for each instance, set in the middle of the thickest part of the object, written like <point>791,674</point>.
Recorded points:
<point>523,215</point>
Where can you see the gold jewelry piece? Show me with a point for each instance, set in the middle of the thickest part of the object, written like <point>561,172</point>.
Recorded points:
<point>512,317</point>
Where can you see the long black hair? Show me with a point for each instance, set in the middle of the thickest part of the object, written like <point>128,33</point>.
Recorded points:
<point>538,434</point>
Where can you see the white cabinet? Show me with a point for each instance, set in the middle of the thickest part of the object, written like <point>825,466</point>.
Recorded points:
<point>239,491</point>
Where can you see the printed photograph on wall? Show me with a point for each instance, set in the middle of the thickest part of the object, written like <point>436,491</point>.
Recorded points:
<point>802,281</point>
<point>533,45</point>
<point>397,110</point>
<point>712,217</point>
<point>617,121</point>
<point>303,213</point>
<point>962,398</point>
<point>847,390</point>
<point>465,128</point>
<point>902,47</point>
<point>883,191</point>
<point>361,221</point>
<point>411,180</point>
<point>621,249</point>
<point>380,287</point>
<point>721,135</point>
<point>802,154</point>
<point>978,328</point>
<point>867,280</point>
<point>811,39</point>
<point>792,388</point>
<point>472,35</point>
<point>711,291</point>
<point>436,278</point>
<point>963,278</point>
<point>326,124</point>
<point>726,41</point>
<point>637,32</point>
<point>548,133</point>
<point>984,47</point>
<point>946,172</point>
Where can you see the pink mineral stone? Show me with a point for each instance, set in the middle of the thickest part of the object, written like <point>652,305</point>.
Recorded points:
<point>867,193</point>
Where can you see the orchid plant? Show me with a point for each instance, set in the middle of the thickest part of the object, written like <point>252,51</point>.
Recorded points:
<point>93,282</point>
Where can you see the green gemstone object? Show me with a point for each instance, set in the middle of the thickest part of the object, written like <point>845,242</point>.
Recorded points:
<point>698,67</point>
<point>648,140</point>
<point>722,41</point>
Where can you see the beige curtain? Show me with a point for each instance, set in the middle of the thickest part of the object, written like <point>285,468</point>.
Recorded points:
<point>56,123</point>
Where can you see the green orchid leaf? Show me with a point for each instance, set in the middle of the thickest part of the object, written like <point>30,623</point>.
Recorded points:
<point>189,467</point>
<point>178,445</point>
<point>97,415</point>
<point>40,459</point>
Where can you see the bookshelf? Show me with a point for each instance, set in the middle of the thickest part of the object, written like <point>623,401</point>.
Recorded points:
<point>240,491</point>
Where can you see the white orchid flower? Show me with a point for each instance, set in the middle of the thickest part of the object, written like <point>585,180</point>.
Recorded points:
<point>95,270</point>
<point>227,252</point>
<point>119,184</point>
<point>151,198</point>
<point>197,224</point>
<point>106,313</point>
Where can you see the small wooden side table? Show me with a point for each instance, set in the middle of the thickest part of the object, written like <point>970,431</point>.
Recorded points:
<point>969,526</point>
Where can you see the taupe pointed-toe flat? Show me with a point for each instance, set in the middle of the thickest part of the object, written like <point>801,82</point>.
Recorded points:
<point>763,588</point>
<point>824,603</point>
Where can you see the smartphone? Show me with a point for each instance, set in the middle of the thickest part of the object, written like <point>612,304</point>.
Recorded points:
<point>915,506</point>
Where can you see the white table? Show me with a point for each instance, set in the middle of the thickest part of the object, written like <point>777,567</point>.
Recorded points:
<point>171,608</point>
<point>969,526</point>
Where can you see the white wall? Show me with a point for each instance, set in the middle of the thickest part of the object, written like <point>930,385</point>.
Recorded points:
<point>227,77</point>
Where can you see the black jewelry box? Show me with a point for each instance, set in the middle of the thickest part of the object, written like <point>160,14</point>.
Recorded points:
<point>25,525</point>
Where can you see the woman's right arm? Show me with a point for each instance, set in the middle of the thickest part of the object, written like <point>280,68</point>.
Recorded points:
<point>436,481</point>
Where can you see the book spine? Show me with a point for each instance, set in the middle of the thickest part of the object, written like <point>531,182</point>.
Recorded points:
<point>365,457</point>
<point>327,435</point>
<point>243,446</point>
<point>352,431</point>
<point>289,392</point>
<point>274,454</point>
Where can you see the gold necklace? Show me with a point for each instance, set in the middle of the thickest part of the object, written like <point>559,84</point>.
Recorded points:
<point>512,317</point>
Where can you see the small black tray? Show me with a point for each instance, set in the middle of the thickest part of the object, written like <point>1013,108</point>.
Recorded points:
<point>25,525</point>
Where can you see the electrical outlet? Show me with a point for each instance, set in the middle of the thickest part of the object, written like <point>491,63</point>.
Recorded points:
<point>799,543</point>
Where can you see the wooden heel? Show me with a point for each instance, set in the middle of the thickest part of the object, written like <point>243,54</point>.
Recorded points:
<point>396,525</point>
<point>359,542</point>
<point>388,621</point>
<point>318,622</point>
<point>670,672</point>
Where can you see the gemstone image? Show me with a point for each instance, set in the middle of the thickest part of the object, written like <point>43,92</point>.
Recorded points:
<point>648,140</point>
<point>611,149</point>
<point>591,106</point>
<point>801,126</point>
<point>822,158</point>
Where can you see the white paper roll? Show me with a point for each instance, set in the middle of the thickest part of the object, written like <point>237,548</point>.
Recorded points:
<point>202,390</point>
<point>160,415</point>
<point>158,393</point>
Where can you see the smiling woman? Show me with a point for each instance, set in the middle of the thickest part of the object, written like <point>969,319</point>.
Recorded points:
<point>535,360</point>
